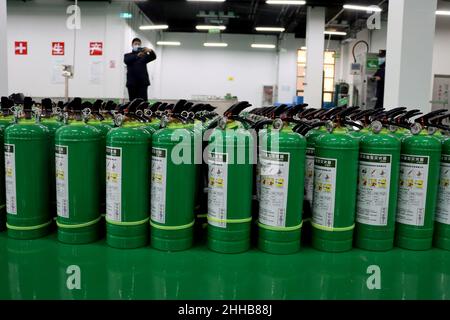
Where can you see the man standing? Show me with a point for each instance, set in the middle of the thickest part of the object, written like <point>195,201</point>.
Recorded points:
<point>137,75</point>
<point>379,76</point>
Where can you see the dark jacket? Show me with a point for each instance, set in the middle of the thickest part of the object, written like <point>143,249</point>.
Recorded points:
<point>137,74</point>
<point>380,85</point>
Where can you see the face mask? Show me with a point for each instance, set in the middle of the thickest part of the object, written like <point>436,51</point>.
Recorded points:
<point>135,48</point>
<point>381,61</point>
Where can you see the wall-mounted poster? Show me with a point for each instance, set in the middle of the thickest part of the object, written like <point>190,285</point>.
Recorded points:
<point>95,48</point>
<point>58,49</point>
<point>21,48</point>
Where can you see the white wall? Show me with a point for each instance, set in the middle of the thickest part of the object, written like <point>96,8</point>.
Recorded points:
<point>193,69</point>
<point>179,72</point>
<point>441,54</point>
<point>41,22</point>
<point>287,73</point>
<point>3,50</point>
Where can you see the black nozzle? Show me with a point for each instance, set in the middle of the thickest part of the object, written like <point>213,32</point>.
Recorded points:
<point>179,107</point>
<point>75,105</point>
<point>303,128</point>
<point>403,119</point>
<point>236,109</point>
<point>122,107</point>
<point>154,107</point>
<point>163,107</point>
<point>134,104</point>
<point>437,122</point>
<point>109,105</point>
<point>289,113</point>
<point>345,112</point>
<point>307,112</point>
<point>258,125</point>
<point>17,98</point>
<point>325,114</point>
<point>425,119</point>
<point>27,104</point>
<point>196,107</point>
<point>47,105</point>
<point>96,106</point>
<point>6,103</point>
<point>86,105</point>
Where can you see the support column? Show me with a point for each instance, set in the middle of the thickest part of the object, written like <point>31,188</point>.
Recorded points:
<point>3,50</point>
<point>409,58</point>
<point>315,43</point>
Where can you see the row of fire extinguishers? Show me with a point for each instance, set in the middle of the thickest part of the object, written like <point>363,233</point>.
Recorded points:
<point>162,172</point>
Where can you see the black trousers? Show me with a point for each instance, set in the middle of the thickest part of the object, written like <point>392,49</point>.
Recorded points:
<point>135,92</point>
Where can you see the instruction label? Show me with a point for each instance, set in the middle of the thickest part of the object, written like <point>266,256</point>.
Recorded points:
<point>158,188</point>
<point>325,171</point>
<point>62,181</point>
<point>443,204</point>
<point>309,174</point>
<point>217,188</point>
<point>114,183</point>
<point>373,189</point>
<point>412,192</point>
<point>10,179</point>
<point>274,188</point>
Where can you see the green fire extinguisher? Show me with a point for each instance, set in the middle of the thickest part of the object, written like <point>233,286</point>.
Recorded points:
<point>173,174</point>
<point>418,186</point>
<point>230,176</point>
<point>379,164</point>
<point>335,186</point>
<point>282,167</point>
<point>27,186</point>
<point>128,149</point>
<point>442,219</point>
<point>79,158</point>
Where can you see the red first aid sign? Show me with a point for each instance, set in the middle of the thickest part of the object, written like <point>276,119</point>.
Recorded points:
<point>21,47</point>
<point>95,48</point>
<point>57,48</point>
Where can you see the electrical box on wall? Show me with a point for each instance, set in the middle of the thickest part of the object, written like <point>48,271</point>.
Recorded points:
<point>364,86</point>
<point>355,69</point>
<point>441,91</point>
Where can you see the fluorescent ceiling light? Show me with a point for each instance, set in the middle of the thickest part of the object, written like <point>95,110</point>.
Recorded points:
<point>303,48</point>
<point>336,33</point>
<point>215,44</point>
<point>443,13</point>
<point>168,43</point>
<point>270,29</point>
<point>205,0</point>
<point>210,27</point>
<point>292,2</point>
<point>154,27</point>
<point>362,8</point>
<point>263,46</point>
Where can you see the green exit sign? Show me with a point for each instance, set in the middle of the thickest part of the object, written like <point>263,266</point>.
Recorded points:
<point>125,15</point>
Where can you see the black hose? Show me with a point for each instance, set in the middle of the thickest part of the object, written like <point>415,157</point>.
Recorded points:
<point>258,125</point>
<point>354,46</point>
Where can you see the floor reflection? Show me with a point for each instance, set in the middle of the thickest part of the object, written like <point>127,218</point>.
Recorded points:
<point>46,269</point>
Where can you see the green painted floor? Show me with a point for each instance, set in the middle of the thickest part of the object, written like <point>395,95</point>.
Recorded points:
<point>37,269</point>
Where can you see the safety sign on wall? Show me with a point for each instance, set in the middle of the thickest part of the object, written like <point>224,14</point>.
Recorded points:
<point>21,48</point>
<point>95,48</point>
<point>57,48</point>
